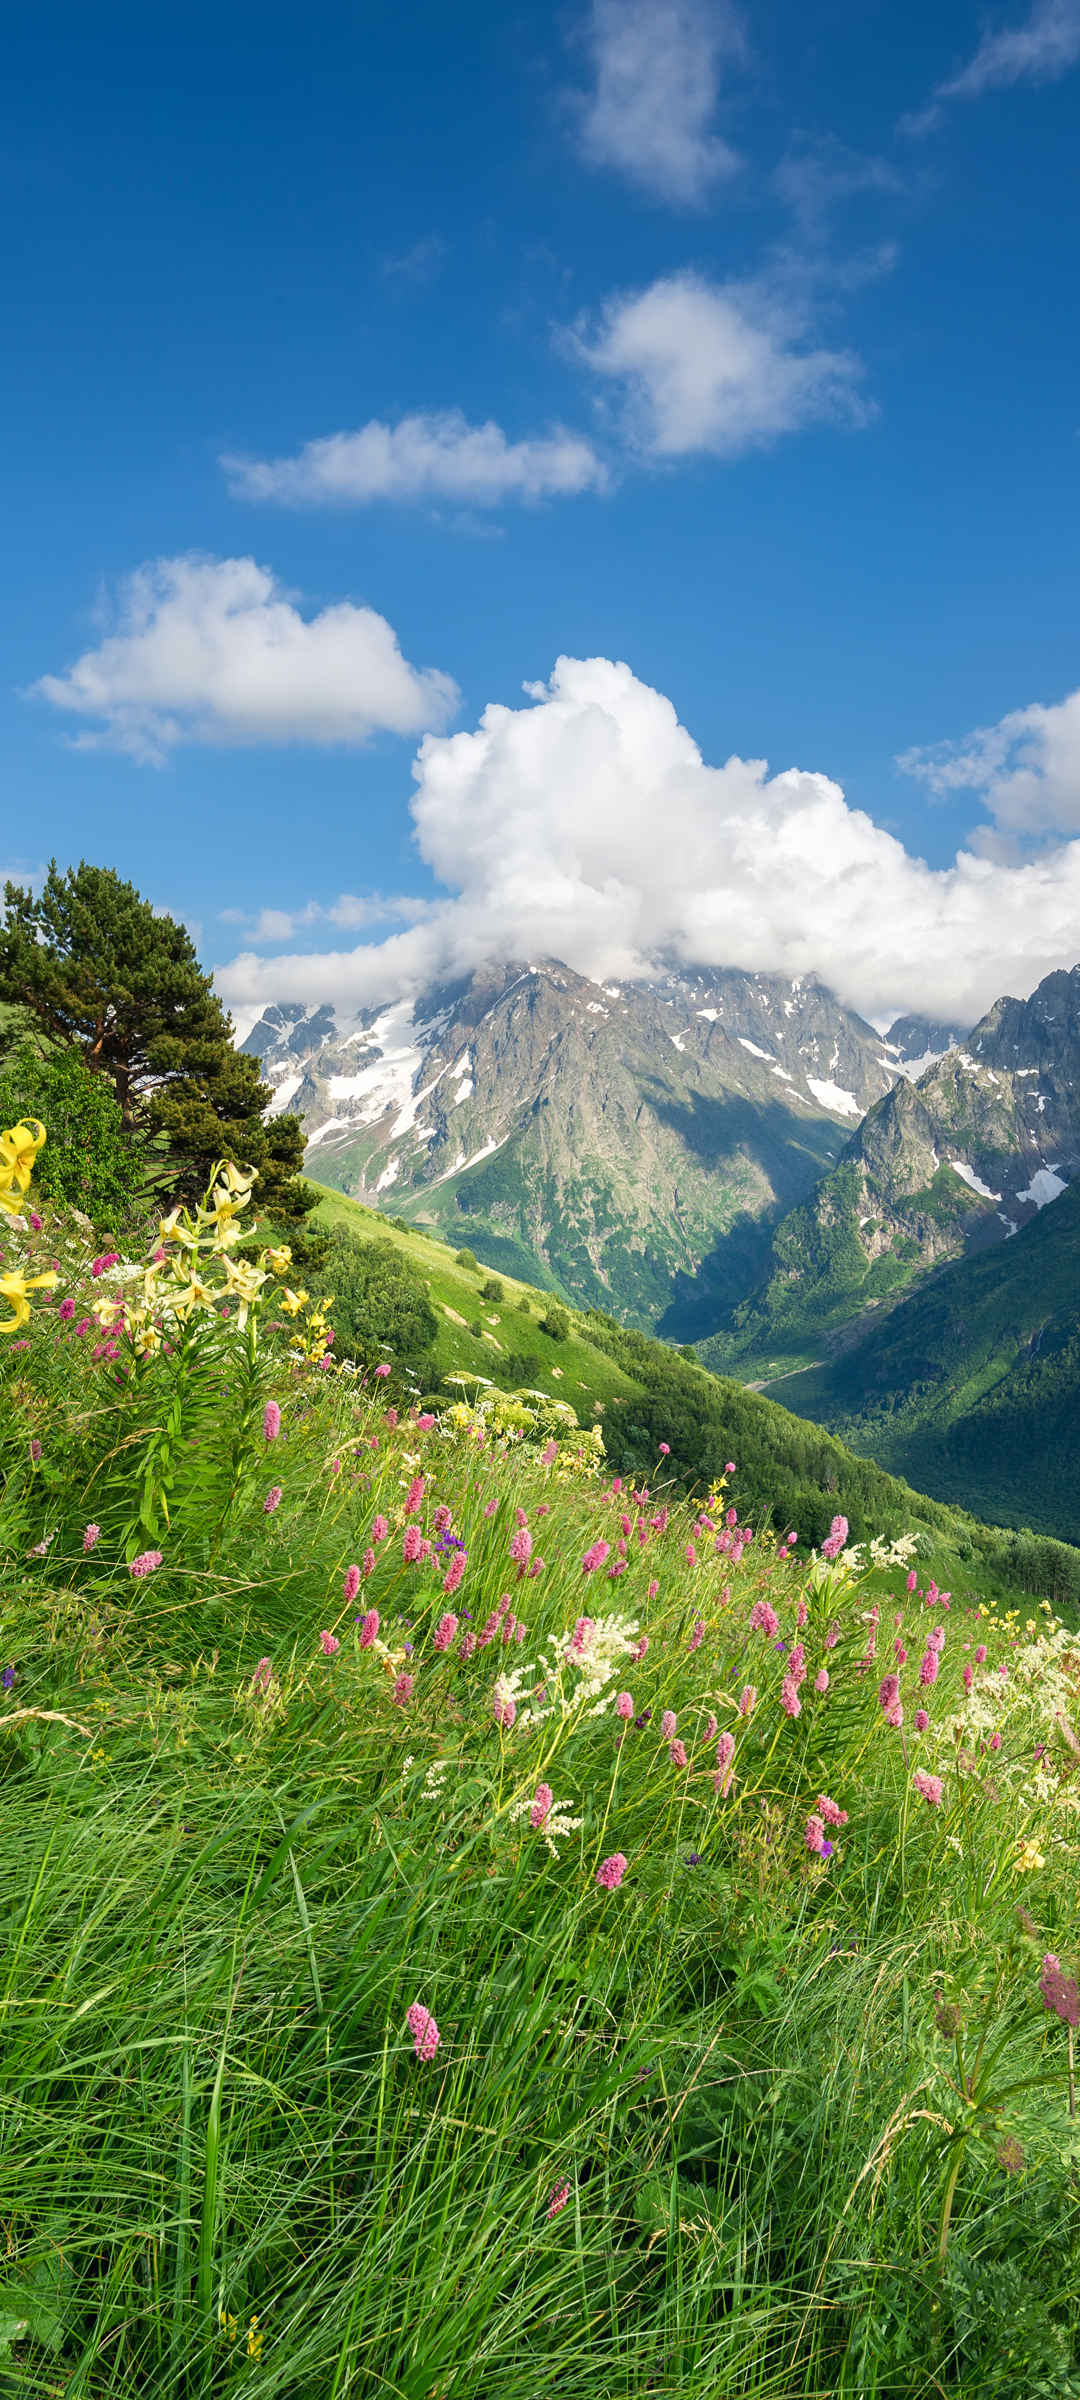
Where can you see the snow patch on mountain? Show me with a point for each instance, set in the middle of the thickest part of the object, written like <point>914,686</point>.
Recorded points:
<point>1046,1185</point>
<point>833,1096</point>
<point>974,1182</point>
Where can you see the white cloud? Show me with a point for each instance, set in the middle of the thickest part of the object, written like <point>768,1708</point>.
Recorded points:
<point>656,65</point>
<point>351,911</point>
<point>434,456</point>
<point>1040,50</point>
<point>718,368</point>
<point>587,826</point>
<point>1026,768</point>
<point>213,650</point>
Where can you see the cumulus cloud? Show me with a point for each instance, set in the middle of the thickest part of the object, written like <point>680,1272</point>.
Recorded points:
<point>213,650</point>
<point>1026,768</point>
<point>434,456</point>
<point>1039,50</point>
<point>656,70</point>
<point>586,825</point>
<point>721,368</point>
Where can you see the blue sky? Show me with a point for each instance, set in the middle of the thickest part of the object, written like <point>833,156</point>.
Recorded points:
<point>770,316</point>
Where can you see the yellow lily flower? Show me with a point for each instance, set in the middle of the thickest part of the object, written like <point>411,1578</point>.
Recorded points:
<point>278,1260</point>
<point>14,1288</point>
<point>237,1179</point>
<point>191,1294</point>
<point>292,1302</point>
<point>170,1229</point>
<point>19,1147</point>
<point>226,1234</point>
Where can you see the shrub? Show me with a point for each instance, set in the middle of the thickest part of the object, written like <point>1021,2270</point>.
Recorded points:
<point>492,1288</point>
<point>380,1306</point>
<point>524,1306</point>
<point>87,1161</point>
<point>465,1258</point>
<point>555,1322</point>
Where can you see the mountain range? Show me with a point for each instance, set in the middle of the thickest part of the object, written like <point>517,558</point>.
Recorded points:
<point>876,1225</point>
<point>629,1146</point>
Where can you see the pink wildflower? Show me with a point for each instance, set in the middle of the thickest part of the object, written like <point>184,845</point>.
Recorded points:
<point>403,1691</point>
<point>980,1655</point>
<point>260,1681</point>
<point>421,2023</point>
<point>414,1495</point>
<point>504,1709</point>
<point>558,2200</point>
<point>383,1370</point>
<point>668,1725</point>
<point>835,1539</point>
<point>748,1699</point>
<point>541,1806</point>
<point>829,1811</point>
<point>145,1563</point>
<point>351,1585</point>
<point>1059,1991</point>
<point>725,1752</point>
<point>691,1555</point>
<point>665,1449</point>
<point>445,1631</point>
<point>83,1327</point>
<point>888,1692</point>
<point>815,1834</point>
<point>677,1754</point>
<point>912,1581</point>
<point>821,1680</point>
<point>328,1644</point>
<point>425,1423</point>
<point>595,1557</point>
<point>789,1697</point>
<point>271,1421</point>
<point>454,1572</point>
<point>642,1644</point>
<point>66,1310</point>
<point>697,1634</point>
<point>610,1872</point>
<point>710,1727</point>
<point>369,1627</point>
<point>928,1667</point>
<point>922,1720</point>
<point>91,1537</point>
<point>624,1706</point>
<point>581,1637</point>
<point>272,1500</point>
<point>368,1562</point>
<point>521,1544</point>
<point>929,1787</point>
<point>379,1530</point>
<point>412,1543</point>
<point>467,1645</point>
<point>764,1619</point>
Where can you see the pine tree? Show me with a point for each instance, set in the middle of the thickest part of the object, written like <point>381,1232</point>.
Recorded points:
<point>96,967</point>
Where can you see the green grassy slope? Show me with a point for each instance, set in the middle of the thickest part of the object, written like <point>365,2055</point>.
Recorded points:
<point>646,1393</point>
<point>972,1385</point>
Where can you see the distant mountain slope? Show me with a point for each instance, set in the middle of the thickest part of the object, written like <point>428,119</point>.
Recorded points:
<point>971,1386</point>
<point>953,1164</point>
<point>628,1145</point>
<point>643,1393</point>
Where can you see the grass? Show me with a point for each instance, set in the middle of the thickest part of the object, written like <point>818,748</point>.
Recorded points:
<point>574,1369</point>
<point>755,2122</point>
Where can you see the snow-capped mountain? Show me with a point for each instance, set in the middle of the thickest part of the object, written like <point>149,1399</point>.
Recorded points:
<point>960,1160</point>
<point>628,1143</point>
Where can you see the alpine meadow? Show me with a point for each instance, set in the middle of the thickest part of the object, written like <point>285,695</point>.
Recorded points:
<point>540,1204</point>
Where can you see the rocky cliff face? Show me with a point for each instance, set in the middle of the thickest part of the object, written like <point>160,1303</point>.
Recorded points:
<point>630,1145</point>
<point>954,1163</point>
